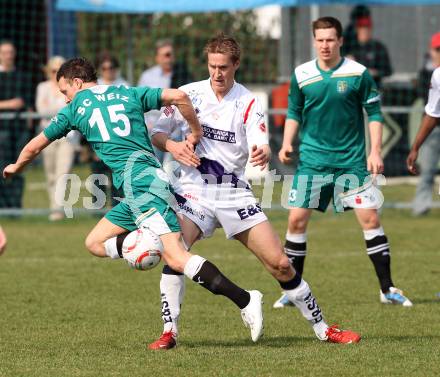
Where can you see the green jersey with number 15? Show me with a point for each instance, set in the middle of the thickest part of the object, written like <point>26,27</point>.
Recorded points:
<point>111,118</point>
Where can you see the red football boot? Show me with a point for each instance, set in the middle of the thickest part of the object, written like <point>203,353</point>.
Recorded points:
<point>336,335</point>
<point>166,341</point>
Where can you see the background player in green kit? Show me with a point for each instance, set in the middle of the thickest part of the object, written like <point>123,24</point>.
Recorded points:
<point>112,120</point>
<point>326,101</point>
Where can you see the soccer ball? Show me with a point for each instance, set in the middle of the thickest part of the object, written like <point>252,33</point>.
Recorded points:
<point>142,249</point>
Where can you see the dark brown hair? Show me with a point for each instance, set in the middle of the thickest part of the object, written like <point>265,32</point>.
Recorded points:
<point>223,44</point>
<point>327,23</point>
<point>79,68</point>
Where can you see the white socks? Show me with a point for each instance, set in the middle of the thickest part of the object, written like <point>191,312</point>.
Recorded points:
<point>296,237</point>
<point>172,290</point>
<point>111,249</point>
<point>372,233</point>
<point>193,266</point>
<point>304,300</point>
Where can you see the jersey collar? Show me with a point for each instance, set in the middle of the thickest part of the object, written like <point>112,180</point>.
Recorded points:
<point>214,97</point>
<point>330,71</point>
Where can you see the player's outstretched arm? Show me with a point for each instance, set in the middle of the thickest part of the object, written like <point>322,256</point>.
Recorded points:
<point>428,124</point>
<point>28,153</point>
<point>290,131</point>
<point>374,161</point>
<point>181,100</point>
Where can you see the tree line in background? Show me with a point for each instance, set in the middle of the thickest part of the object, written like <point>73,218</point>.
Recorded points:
<point>189,32</point>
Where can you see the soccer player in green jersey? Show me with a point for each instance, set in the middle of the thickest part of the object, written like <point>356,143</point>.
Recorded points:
<point>112,120</point>
<point>326,101</point>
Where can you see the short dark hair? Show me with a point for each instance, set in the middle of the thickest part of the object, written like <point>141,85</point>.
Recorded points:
<point>7,42</point>
<point>79,68</point>
<point>107,57</point>
<point>223,44</point>
<point>327,23</point>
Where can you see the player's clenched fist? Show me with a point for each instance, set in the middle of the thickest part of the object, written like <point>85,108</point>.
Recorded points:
<point>285,154</point>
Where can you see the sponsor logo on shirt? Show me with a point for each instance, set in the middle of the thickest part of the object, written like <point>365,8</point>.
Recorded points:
<point>218,135</point>
<point>54,119</point>
<point>262,127</point>
<point>168,111</point>
<point>342,86</point>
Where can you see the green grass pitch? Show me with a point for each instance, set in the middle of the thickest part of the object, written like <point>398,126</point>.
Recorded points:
<point>66,313</point>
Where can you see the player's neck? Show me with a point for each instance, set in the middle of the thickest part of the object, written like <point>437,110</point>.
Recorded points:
<point>87,85</point>
<point>7,67</point>
<point>220,94</point>
<point>329,64</point>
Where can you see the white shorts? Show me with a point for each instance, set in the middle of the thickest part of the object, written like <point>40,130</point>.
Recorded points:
<point>367,196</point>
<point>236,211</point>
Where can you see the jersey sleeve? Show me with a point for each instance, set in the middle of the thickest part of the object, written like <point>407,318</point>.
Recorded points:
<point>295,100</point>
<point>370,97</point>
<point>256,129</point>
<point>60,125</point>
<point>432,108</point>
<point>170,119</point>
<point>150,98</point>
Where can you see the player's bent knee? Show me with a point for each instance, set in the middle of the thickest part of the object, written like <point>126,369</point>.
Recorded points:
<point>297,225</point>
<point>94,247</point>
<point>371,222</point>
<point>284,264</point>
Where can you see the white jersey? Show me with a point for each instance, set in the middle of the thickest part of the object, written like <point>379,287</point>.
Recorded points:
<point>432,108</point>
<point>230,128</point>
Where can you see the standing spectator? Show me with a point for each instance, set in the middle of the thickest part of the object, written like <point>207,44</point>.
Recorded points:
<point>108,71</point>
<point>370,52</point>
<point>430,151</point>
<point>350,37</point>
<point>3,241</point>
<point>13,132</point>
<point>160,75</point>
<point>165,74</point>
<point>58,157</point>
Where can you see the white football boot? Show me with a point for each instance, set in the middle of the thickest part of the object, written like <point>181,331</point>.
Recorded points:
<point>252,315</point>
<point>395,296</point>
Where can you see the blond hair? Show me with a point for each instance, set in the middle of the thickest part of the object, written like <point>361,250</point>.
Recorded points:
<point>54,62</point>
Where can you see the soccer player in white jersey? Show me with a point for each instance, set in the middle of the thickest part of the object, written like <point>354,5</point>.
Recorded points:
<point>213,192</point>
<point>326,100</point>
<point>430,120</point>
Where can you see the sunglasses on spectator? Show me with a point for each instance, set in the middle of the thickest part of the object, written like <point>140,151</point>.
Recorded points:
<point>168,54</point>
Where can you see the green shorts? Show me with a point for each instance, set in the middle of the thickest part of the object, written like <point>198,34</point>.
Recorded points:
<point>314,187</point>
<point>141,207</point>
